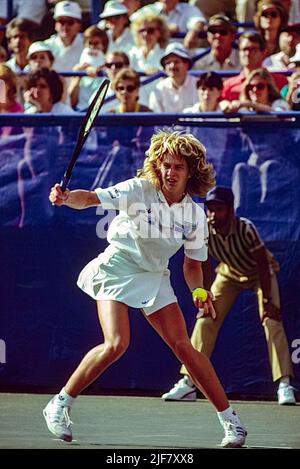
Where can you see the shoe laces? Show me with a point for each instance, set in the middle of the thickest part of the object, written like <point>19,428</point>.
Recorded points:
<point>231,429</point>
<point>62,416</point>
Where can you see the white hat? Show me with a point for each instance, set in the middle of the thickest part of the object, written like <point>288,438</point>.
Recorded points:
<point>113,8</point>
<point>66,8</point>
<point>296,57</point>
<point>93,57</point>
<point>176,48</point>
<point>38,46</point>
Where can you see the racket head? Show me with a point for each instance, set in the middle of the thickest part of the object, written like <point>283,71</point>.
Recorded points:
<point>86,126</point>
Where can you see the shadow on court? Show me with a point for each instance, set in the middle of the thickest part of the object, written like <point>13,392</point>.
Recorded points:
<point>107,422</point>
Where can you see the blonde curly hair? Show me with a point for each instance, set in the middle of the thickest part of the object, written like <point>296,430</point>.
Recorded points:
<point>179,143</point>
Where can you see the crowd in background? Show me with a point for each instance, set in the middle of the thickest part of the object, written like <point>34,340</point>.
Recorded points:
<point>134,40</point>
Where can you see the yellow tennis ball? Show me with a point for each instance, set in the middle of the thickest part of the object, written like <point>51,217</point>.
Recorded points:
<point>200,293</point>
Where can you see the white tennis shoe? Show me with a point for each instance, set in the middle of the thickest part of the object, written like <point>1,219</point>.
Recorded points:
<point>182,391</point>
<point>235,434</point>
<point>58,420</point>
<point>286,395</point>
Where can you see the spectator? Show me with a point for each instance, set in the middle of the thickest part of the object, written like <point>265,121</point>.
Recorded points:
<point>293,91</point>
<point>221,34</point>
<point>245,10</point>
<point>251,52</point>
<point>40,56</point>
<point>91,61</point>
<point>114,62</point>
<point>151,36</point>
<point>292,7</point>
<point>3,54</point>
<point>259,94</point>
<point>132,5</point>
<point>244,264</point>
<point>116,23</point>
<point>288,40</point>
<point>67,43</point>
<point>126,84</point>
<point>8,101</point>
<point>270,19</point>
<point>209,87</point>
<point>178,90</point>
<point>20,33</point>
<point>45,93</point>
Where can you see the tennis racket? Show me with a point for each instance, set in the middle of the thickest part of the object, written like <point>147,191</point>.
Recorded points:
<point>86,126</point>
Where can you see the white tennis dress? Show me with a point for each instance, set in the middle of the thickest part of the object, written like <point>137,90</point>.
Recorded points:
<point>133,269</point>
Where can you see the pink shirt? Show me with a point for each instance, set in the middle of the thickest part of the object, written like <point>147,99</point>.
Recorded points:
<point>5,131</point>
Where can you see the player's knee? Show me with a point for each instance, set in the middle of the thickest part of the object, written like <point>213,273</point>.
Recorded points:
<point>182,349</point>
<point>116,348</point>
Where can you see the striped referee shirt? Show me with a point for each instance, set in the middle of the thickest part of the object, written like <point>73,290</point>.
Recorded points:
<point>235,250</point>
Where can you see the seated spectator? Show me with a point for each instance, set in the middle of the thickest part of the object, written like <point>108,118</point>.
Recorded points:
<point>45,91</point>
<point>40,56</point>
<point>178,90</point>
<point>288,40</point>
<point>20,33</point>
<point>214,7</point>
<point>114,62</point>
<point>126,85</point>
<point>259,94</point>
<point>252,53</point>
<point>151,36</point>
<point>91,61</point>
<point>115,20</point>
<point>67,43</point>
<point>209,87</point>
<point>270,19</point>
<point>221,34</point>
<point>292,8</point>
<point>8,101</point>
<point>132,5</point>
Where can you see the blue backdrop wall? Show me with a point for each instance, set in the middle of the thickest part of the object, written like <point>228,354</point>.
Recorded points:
<point>47,323</point>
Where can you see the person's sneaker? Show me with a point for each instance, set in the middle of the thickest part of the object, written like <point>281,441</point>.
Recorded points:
<point>235,434</point>
<point>182,391</point>
<point>58,420</point>
<point>286,395</point>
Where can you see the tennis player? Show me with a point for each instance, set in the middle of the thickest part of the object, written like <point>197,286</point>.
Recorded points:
<point>157,216</point>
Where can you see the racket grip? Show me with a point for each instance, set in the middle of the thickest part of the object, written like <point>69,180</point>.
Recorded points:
<point>64,183</point>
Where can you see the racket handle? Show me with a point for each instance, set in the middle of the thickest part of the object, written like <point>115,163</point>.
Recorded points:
<point>64,183</point>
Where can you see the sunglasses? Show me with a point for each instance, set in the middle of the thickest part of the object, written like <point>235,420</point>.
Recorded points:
<point>149,30</point>
<point>67,22</point>
<point>257,86</point>
<point>114,64</point>
<point>270,14</point>
<point>222,32</point>
<point>129,88</point>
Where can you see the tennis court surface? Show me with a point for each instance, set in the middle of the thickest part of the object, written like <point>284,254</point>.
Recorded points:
<point>108,422</point>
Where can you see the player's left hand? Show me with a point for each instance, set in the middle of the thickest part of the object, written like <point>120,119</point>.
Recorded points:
<point>205,308</point>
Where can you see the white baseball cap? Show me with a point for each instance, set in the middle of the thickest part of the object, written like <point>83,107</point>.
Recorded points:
<point>70,9</point>
<point>113,8</point>
<point>38,46</point>
<point>176,48</point>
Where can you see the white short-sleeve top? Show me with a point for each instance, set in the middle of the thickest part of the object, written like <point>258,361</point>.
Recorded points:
<point>142,238</point>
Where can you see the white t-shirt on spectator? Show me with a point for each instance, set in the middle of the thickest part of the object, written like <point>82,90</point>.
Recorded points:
<point>65,56</point>
<point>58,108</point>
<point>166,98</point>
<point>124,43</point>
<point>184,15</point>
<point>146,64</point>
<point>12,64</point>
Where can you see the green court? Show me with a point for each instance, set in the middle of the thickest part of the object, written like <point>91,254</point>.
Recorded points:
<point>108,422</point>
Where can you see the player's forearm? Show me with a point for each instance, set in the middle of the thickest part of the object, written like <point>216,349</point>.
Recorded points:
<point>80,199</point>
<point>193,277</point>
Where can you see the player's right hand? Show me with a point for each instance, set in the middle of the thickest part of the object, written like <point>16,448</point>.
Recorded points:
<point>57,196</point>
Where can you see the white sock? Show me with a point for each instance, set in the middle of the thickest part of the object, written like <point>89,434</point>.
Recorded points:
<point>64,398</point>
<point>284,381</point>
<point>227,414</point>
